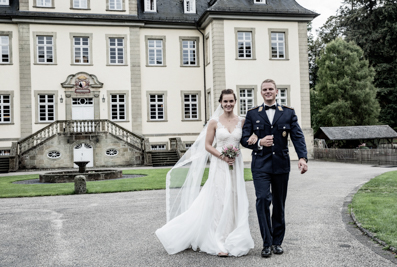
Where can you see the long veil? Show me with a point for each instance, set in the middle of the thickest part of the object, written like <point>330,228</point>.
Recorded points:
<point>184,179</point>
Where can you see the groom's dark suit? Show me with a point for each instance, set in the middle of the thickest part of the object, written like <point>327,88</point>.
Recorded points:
<point>271,166</point>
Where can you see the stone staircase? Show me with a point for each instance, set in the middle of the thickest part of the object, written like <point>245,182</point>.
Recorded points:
<point>164,158</point>
<point>4,164</point>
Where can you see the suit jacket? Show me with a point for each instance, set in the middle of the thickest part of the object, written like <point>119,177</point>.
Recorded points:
<point>274,159</point>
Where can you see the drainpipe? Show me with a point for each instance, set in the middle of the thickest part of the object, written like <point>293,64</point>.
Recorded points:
<point>204,75</point>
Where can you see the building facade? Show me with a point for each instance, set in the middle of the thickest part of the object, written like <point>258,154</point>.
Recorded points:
<point>151,68</point>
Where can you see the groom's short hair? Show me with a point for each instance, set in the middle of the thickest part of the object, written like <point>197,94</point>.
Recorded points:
<point>269,81</point>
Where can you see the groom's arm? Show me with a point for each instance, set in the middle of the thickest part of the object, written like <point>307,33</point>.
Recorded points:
<point>247,132</point>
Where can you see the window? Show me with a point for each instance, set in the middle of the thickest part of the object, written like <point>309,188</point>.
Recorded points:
<point>190,106</point>
<point>118,107</point>
<point>190,6</point>
<point>81,47</point>
<point>115,5</point>
<point>80,4</point>
<point>116,50</point>
<point>282,96</point>
<point>244,44</point>
<point>111,152</point>
<point>5,108</point>
<point>278,44</point>
<point>209,104</point>
<point>43,3</point>
<point>45,49</point>
<point>155,50</point>
<point>259,1</point>
<point>207,49</point>
<point>4,3</point>
<point>5,152</point>
<point>189,49</point>
<point>5,49</point>
<point>156,107</point>
<point>54,154</point>
<point>46,108</point>
<point>246,100</point>
<point>158,147</point>
<point>150,5</point>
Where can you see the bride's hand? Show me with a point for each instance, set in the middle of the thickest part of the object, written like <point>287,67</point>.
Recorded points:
<point>229,160</point>
<point>252,140</point>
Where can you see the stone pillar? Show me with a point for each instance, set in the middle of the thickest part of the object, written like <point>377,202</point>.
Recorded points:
<point>136,90</point>
<point>305,88</point>
<point>133,7</point>
<point>218,59</point>
<point>80,186</point>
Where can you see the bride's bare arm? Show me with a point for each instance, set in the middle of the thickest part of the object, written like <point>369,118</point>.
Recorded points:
<point>209,139</point>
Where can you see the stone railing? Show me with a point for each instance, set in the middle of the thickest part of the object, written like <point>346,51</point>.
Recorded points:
<point>363,156</point>
<point>72,127</point>
<point>14,158</point>
<point>177,145</point>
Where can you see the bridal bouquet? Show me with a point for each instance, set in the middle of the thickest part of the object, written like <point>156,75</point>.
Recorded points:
<point>230,151</point>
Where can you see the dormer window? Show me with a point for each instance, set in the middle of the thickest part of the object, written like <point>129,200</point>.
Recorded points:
<point>150,5</point>
<point>190,6</point>
<point>4,3</point>
<point>259,1</point>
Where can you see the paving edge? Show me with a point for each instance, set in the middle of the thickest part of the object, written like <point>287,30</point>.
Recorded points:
<point>370,234</point>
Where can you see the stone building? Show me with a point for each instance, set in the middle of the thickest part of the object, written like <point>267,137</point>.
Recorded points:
<point>110,80</point>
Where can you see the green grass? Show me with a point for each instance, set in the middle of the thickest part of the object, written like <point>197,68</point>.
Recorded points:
<point>154,179</point>
<point>375,207</point>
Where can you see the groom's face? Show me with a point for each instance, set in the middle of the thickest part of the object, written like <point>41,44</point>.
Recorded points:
<point>269,93</point>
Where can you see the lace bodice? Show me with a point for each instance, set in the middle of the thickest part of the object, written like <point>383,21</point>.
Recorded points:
<point>224,137</point>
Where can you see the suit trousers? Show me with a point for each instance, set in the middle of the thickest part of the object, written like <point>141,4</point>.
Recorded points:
<point>271,189</point>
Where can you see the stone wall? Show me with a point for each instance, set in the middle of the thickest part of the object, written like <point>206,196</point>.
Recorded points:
<point>38,158</point>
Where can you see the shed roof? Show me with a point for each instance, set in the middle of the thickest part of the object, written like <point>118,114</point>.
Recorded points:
<point>356,132</point>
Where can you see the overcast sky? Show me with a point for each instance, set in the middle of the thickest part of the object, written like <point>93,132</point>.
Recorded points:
<point>325,8</point>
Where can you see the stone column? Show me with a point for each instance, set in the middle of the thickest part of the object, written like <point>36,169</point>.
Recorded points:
<point>218,59</point>
<point>25,79</point>
<point>136,93</point>
<point>305,87</point>
<point>133,7</point>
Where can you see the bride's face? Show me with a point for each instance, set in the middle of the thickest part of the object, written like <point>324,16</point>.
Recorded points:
<point>228,102</point>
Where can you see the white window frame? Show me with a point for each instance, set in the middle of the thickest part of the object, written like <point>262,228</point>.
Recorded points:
<point>192,105</point>
<point>117,105</point>
<point>44,3</point>
<point>149,40</point>
<point>118,50</point>
<point>115,5</point>
<point>285,97</point>
<point>246,39</point>
<point>3,106</point>
<point>156,147</point>
<point>275,43</point>
<point>81,47</point>
<point>46,105</point>
<point>4,3</point>
<point>150,5</point>
<point>5,42</point>
<point>238,40</point>
<point>156,104</point>
<point>46,49</point>
<point>245,99</point>
<point>190,6</point>
<point>207,50</point>
<point>80,4</point>
<point>260,2</point>
<point>187,51</point>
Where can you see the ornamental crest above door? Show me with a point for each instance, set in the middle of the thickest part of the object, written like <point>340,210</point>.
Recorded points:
<point>82,82</point>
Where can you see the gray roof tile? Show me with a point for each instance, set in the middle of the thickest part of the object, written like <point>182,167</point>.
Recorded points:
<point>356,132</point>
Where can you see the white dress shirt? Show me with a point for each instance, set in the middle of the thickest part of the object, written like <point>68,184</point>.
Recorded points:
<point>270,115</point>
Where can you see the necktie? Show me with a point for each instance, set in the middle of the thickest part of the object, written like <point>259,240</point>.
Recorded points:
<point>267,107</point>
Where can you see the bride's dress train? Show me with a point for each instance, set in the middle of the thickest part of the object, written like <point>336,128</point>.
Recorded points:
<point>217,220</point>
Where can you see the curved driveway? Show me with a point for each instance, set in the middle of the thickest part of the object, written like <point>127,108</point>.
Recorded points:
<point>118,229</point>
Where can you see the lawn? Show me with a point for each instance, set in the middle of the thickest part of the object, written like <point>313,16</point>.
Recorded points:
<point>154,179</point>
<point>375,207</point>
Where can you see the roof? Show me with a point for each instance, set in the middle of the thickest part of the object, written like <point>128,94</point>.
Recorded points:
<point>172,11</point>
<point>356,132</point>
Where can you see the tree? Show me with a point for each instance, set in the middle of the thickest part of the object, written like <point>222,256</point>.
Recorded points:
<point>371,24</point>
<point>344,94</point>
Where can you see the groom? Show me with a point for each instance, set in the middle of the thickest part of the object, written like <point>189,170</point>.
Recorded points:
<point>270,166</point>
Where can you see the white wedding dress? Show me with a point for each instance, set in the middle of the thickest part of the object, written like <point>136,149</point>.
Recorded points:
<point>217,220</point>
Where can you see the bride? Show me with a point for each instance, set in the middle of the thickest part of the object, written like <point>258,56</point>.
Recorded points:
<point>215,219</point>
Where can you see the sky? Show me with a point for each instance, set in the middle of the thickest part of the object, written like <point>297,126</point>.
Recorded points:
<point>325,8</point>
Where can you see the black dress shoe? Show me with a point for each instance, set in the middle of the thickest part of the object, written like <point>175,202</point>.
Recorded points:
<point>266,252</point>
<point>277,249</point>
